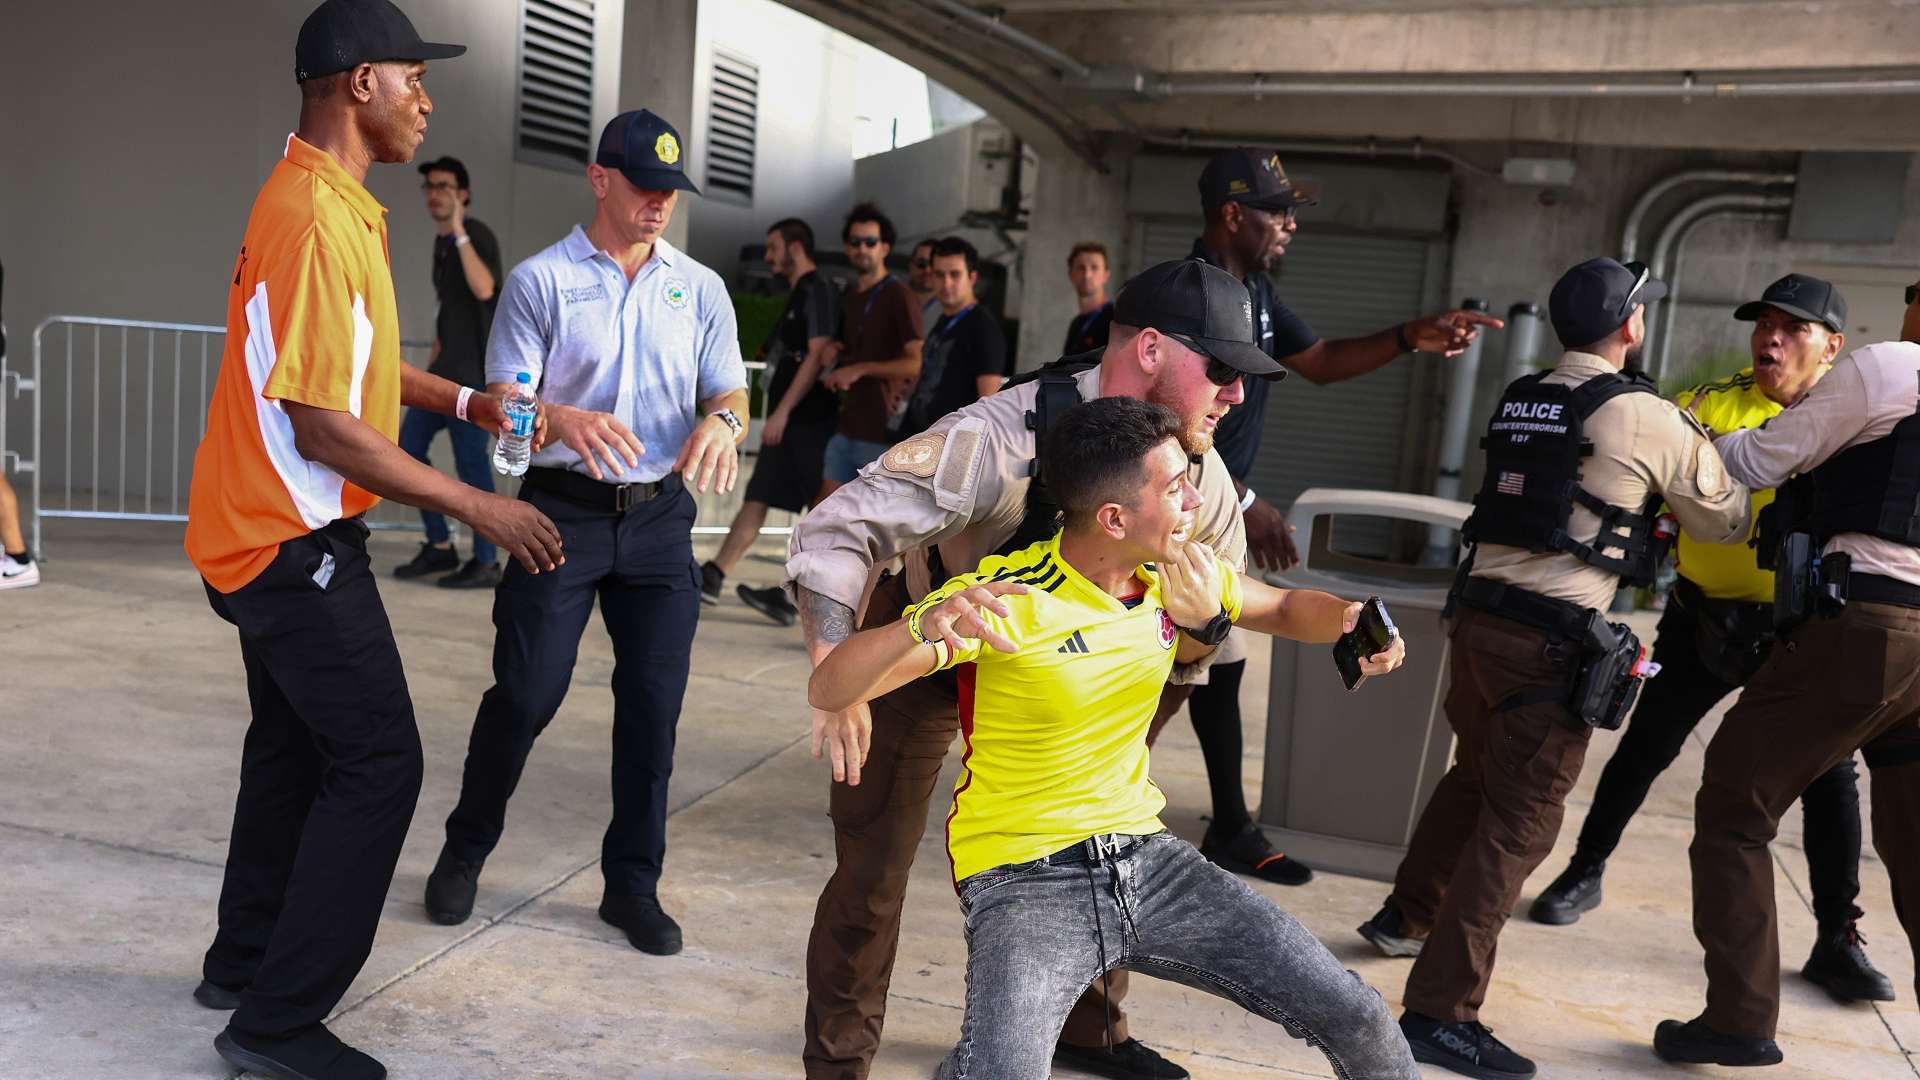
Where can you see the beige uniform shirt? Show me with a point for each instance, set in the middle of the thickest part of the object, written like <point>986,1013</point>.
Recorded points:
<point>960,486</point>
<point>1643,445</point>
<point>1868,391</point>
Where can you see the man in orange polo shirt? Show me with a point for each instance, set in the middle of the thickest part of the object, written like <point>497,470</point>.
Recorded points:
<point>300,443</point>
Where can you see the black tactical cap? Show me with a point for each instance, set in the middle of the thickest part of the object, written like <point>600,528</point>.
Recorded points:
<point>343,34</point>
<point>1597,297</point>
<point>1802,296</point>
<point>647,151</point>
<point>1252,177</point>
<point>1203,306</point>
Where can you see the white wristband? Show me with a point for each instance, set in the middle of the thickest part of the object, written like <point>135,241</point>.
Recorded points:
<point>462,240</point>
<point>1246,500</point>
<point>460,407</point>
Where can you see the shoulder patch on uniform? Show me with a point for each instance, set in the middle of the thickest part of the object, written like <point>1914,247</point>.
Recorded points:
<point>918,456</point>
<point>1709,472</point>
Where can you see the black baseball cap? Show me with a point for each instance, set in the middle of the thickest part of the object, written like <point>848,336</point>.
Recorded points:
<point>343,34</point>
<point>1202,306</point>
<point>448,164</point>
<point>647,151</point>
<point>1597,297</point>
<point>1251,177</point>
<point>1802,296</point>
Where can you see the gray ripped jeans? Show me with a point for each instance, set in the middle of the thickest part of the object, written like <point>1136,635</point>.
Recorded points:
<point>1036,937</point>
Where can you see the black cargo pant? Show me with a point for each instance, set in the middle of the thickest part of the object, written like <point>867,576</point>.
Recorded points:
<point>639,565</point>
<point>328,779</point>
<point>1670,707</point>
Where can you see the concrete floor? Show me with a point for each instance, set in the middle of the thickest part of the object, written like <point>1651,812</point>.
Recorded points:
<point>122,708</point>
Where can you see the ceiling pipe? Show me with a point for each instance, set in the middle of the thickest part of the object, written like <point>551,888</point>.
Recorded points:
<point>1670,304</point>
<point>1367,148</point>
<point>1630,233</point>
<point>1678,225</point>
<point>993,26</point>
<point>1685,85</point>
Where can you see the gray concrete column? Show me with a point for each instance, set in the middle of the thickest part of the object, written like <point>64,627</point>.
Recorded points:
<point>657,48</point>
<point>1072,202</point>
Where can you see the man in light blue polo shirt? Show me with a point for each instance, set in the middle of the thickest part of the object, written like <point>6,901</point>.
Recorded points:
<point>633,348</point>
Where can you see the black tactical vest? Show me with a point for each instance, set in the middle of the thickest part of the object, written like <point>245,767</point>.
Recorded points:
<point>1534,446</point>
<point>1059,391</point>
<point>1872,488</point>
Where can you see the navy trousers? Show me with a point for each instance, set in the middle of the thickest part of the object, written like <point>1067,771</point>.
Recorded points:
<point>639,565</point>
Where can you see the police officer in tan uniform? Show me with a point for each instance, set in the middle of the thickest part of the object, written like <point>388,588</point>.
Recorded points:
<point>1843,540</point>
<point>944,500</point>
<point>1583,449</point>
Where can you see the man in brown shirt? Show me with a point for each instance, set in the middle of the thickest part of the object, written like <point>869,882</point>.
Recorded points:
<point>876,362</point>
<point>1518,647</point>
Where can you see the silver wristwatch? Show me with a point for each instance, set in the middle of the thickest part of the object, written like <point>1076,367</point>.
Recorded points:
<point>731,420</point>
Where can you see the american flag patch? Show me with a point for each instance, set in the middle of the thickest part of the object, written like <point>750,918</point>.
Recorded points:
<point>1511,483</point>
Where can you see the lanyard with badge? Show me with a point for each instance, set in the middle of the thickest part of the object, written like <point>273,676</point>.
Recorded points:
<point>1082,324</point>
<point>945,326</point>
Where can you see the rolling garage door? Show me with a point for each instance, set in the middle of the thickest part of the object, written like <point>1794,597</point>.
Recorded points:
<point>1362,433</point>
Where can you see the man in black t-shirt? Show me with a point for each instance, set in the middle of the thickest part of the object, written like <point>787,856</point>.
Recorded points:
<point>1088,269</point>
<point>466,279</point>
<point>965,355</point>
<point>801,414</point>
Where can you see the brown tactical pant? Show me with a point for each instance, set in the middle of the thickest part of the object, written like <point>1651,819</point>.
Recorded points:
<point>1495,815</point>
<point>877,827</point>
<point>1835,686</point>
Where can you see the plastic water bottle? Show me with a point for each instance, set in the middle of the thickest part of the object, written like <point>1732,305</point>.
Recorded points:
<point>513,450</point>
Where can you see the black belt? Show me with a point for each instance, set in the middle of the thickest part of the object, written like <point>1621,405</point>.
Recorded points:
<point>1527,608</point>
<point>1095,849</point>
<point>1880,589</point>
<point>585,490</point>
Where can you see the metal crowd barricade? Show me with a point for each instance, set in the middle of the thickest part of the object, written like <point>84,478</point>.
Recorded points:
<point>131,399</point>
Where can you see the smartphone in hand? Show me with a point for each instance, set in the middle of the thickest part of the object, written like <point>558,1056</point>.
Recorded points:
<point>1371,635</point>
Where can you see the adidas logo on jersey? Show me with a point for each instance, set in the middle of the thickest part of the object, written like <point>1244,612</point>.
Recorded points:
<point>1075,644</point>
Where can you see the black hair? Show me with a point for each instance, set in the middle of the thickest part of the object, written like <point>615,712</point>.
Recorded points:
<point>866,211</point>
<point>794,231</point>
<point>955,245</point>
<point>1096,453</point>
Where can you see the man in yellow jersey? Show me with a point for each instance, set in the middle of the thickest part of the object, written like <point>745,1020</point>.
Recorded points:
<point>1717,628</point>
<point>299,444</point>
<point>1062,867</point>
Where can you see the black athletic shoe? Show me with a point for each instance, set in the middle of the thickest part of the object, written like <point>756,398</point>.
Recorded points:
<point>1130,1060</point>
<point>1574,893</point>
<point>772,602</point>
<point>711,582</point>
<point>1250,852</point>
<point>311,1055</point>
<point>1387,930</point>
<point>1466,1047</point>
<point>474,575</point>
<point>1695,1043</point>
<point>648,928</point>
<point>429,560</point>
<point>216,997</point>
<point>1840,966</point>
<point>451,888</point>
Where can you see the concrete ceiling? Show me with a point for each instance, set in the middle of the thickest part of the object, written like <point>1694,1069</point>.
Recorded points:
<point>1076,75</point>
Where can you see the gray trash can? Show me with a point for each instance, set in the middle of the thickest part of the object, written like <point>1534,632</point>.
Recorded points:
<point>1347,773</point>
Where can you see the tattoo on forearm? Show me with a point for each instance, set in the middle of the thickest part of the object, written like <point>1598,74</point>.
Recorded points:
<point>824,619</point>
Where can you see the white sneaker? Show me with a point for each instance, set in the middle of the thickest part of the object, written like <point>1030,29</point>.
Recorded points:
<point>18,575</point>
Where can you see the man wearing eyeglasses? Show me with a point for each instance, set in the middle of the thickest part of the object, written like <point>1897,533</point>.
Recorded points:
<point>466,273</point>
<point>876,362</point>
<point>942,501</point>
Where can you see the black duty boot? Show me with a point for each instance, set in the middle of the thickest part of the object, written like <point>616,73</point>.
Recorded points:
<point>451,888</point>
<point>1387,930</point>
<point>648,928</point>
<point>1574,893</point>
<point>771,601</point>
<point>1130,1060</point>
<point>1694,1043</point>
<point>1463,1046</point>
<point>314,1054</point>
<point>711,581</point>
<point>429,560</point>
<point>216,997</point>
<point>1840,966</point>
<point>474,575</point>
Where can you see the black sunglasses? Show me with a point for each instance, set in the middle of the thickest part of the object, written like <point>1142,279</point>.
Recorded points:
<point>1219,372</point>
<point>864,241</point>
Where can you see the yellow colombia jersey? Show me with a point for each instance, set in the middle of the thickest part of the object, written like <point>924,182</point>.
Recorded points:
<point>1056,733</point>
<point>1728,571</point>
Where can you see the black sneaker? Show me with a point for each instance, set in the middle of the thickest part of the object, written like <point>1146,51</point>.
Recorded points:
<point>314,1054</point>
<point>1387,930</point>
<point>1465,1047</point>
<point>648,928</point>
<point>772,602</point>
<point>451,888</point>
<point>216,997</point>
<point>1840,966</point>
<point>711,582</point>
<point>1574,893</point>
<point>1250,852</point>
<point>429,560</point>
<point>1695,1043</point>
<point>474,575</point>
<point>1130,1060</point>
